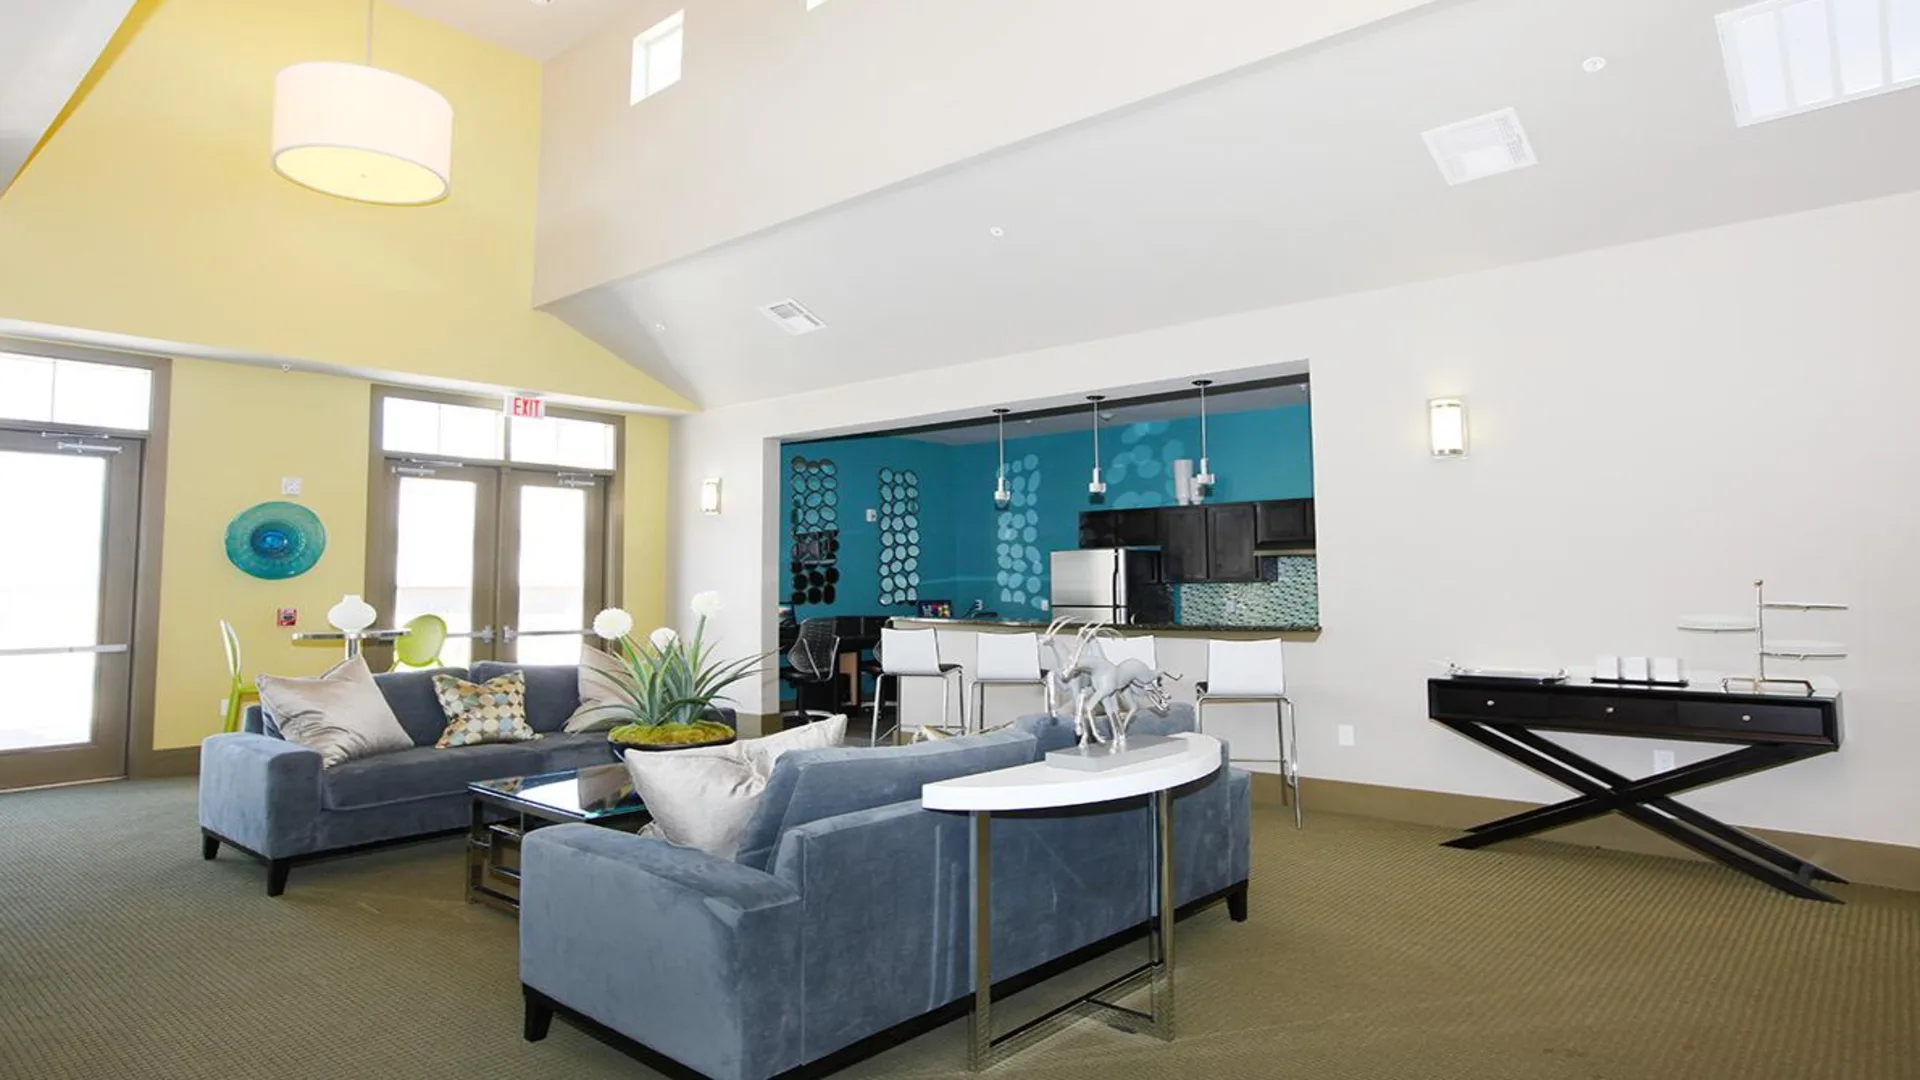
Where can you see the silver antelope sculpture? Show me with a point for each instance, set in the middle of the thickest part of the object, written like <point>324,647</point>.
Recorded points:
<point>1099,687</point>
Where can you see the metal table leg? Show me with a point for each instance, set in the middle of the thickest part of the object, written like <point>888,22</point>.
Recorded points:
<point>980,1024</point>
<point>983,1048</point>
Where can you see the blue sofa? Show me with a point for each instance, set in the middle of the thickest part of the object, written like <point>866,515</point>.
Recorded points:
<point>843,924</point>
<point>270,798</point>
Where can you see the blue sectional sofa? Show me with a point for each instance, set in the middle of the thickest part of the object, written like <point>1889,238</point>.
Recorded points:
<point>843,924</point>
<point>270,798</point>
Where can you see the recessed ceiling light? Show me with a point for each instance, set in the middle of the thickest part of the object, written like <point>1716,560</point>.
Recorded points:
<point>995,230</point>
<point>1785,58</point>
<point>659,327</point>
<point>1594,65</point>
<point>1481,147</point>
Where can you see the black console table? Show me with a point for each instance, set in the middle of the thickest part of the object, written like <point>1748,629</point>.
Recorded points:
<point>1770,729</point>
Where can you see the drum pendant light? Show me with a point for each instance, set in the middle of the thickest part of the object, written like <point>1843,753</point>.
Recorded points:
<point>360,133</point>
<point>1097,490</point>
<point>1001,496</point>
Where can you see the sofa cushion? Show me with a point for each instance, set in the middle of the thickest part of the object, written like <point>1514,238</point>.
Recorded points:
<point>424,772</point>
<point>414,702</point>
<point>808,785</point>
<point>1056,733</point>
<point>573,750</point>
<point>553,691</point>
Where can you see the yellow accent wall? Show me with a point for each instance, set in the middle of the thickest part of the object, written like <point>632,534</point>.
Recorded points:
<point>233,433</point>
<point>643,586</point>
<point>155,212</point>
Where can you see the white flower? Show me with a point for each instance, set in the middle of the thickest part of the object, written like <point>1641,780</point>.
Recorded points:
<point>706,604</point>
<point>664,638</point>
<point>613,624</point>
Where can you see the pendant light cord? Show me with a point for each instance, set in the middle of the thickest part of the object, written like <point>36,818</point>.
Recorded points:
<point>1203,421</point>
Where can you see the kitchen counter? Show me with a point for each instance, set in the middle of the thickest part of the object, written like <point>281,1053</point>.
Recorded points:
<point>1291,633</point>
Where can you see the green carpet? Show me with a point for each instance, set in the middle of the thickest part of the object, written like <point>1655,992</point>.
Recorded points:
<point>1372,953</point>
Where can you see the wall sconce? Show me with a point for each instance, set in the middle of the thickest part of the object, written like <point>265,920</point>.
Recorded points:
<point>1447,427</point>
<point>710,495</point>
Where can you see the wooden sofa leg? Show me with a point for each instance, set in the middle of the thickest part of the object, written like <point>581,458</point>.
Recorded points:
<point>209,845</point>
<point>539,1017</point>
<point>277,870</point>
<point>1237,903</point>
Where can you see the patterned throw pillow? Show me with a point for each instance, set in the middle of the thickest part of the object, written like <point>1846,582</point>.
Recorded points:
<point>489,712</point>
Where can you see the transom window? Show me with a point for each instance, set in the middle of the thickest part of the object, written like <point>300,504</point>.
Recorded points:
<point>656,56</point>
<point>44,390</point>
<point>470,432</point>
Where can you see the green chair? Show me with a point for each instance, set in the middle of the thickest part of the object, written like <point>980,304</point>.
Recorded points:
<point>419,647</point>
<point>238,692</point>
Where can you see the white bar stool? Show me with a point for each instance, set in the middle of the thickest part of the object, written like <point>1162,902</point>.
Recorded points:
<point>912,654</point>
<point>1251,672</point>
<point>1004,660</point>
<point>1142,649</point>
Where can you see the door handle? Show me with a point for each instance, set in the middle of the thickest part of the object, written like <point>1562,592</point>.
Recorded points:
<point>509,634</point>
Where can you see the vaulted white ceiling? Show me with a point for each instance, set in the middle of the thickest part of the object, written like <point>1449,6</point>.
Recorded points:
<point>539,30</point>
<point>1300,178</point>
<point>46,50</point>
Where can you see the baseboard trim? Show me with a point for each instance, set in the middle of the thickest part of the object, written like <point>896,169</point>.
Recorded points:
<point>164,764</point>
<point>1862,861</point>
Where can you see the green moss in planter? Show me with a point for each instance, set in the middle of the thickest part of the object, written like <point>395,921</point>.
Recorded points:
<point>698,733</point>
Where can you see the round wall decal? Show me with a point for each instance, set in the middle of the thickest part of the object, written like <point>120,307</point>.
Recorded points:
<point>276,540</point>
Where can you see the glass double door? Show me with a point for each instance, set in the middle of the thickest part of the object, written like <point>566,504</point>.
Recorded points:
<point>71,504</point>
<point>514,559</point>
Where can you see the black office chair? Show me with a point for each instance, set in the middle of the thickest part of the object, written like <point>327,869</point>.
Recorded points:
<point>812,670</point>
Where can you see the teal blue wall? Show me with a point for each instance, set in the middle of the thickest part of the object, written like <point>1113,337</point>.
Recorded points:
<point>857,469</point>
<point>972,552</point>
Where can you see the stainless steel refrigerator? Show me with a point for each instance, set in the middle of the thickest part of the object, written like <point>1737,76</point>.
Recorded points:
<point>1115,585</point>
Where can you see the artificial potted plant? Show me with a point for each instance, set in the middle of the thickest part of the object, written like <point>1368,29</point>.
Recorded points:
<point>668,685</point>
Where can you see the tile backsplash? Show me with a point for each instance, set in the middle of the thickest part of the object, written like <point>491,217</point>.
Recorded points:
<point>1287,595</point>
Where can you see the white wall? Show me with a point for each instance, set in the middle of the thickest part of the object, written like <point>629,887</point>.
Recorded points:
<point>783,111</point>
<point>1653,426</point>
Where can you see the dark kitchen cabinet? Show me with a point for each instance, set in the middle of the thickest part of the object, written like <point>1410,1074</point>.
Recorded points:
<point>1283,523</point>
<point>1120,528</point>
<point>1097,528</point>
<point>1230,528</point>
<point>1183,543</point>
<point>1136,528</point>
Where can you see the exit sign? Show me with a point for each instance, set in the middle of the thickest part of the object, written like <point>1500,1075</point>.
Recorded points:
<point>532,408</point>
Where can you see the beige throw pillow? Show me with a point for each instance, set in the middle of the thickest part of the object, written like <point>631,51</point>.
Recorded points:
<point>341,714</point>
<point>704,797</point>
<point>601,677</point>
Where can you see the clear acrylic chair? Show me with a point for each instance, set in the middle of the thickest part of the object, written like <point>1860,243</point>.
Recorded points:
<point>912,654</point>
<point>1251,672</point>
<point>1004,660</point>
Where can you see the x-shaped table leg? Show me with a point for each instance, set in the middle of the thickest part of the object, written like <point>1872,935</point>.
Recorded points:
<point>1647,801</point>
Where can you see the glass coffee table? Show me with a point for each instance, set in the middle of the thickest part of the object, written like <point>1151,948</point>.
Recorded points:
<point>506,810</point>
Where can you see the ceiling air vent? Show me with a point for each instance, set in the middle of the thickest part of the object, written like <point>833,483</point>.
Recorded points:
<point>1481,147</point>
<point>1786,57</point>
<point>793,317</point>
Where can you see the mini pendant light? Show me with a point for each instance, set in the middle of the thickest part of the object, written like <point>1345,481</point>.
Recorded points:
<point>1097,490</point>
<point>1203,481</point>
<point>1002,498</point>
<point>360,133</point>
